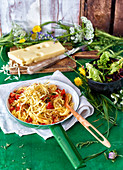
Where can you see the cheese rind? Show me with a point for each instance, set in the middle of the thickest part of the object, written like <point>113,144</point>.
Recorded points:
<point>38,52</point>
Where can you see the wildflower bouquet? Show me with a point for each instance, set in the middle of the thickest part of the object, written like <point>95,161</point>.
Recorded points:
<point>20,38</point>
<point>74,33</point>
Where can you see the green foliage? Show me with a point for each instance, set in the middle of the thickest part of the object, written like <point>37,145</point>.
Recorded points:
<point>105,42</point>
<point>94,73</point>
<point>104,58</point>
<point>104,68</point>
<point>115,66</point>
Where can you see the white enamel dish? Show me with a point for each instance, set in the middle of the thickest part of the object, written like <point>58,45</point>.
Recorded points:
<point>60,85</point>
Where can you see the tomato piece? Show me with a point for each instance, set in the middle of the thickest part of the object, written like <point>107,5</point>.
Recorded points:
<point>43,123</point>
<point>29,119</point>
<point>44,97</point>
<point>47,99</point>
<point>12,108</point>
<point>11,100</point>
<point>58,90</point>
<point>22,90</point>
<point>12,94</point>
<point>63,92</point>
<point>54,96</point>
<point>17,96</point>
<point>63,97</point>
<point>53,117</point>
<point>56,119</point>
<point>49,106</point>
<point>17,108</point>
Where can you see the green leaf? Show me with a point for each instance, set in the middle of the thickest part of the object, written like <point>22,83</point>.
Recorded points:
<point>1,51</point>
<point>110,102</point>
<point>87,143</point>
<point>94,74</point>
<point>93,156</point>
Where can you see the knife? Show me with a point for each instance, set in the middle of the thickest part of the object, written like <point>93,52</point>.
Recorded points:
<point>46,63</point>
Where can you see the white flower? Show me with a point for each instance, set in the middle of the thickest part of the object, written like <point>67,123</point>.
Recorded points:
<point>112,96</point>
<point>17,30</point>
<point>80,34</point>
<point>89,36</point>
<point>84,19</point>
<point>115,101</point>
<point>117,95</point>
<point>72,38</point>
<point>78,27</point>
<point>89,24</point>
<point>90,41</point>
<point>72,30</point>
<point>76,40</point>
<point>78,37</point>
<point>121,91</point>
<point>90,29</point>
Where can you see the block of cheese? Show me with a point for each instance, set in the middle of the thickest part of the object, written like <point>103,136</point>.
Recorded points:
<point>36,53</point>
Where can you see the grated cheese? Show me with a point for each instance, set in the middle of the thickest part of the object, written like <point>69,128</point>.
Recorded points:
<point>5,70</point>
<point>7,78</point>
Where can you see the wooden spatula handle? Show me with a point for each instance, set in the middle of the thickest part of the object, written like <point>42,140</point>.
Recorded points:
<point>86,124</point>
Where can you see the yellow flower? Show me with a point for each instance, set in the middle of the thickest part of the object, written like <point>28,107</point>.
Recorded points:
<point>82,71</point>
<point>78,81</point>
<point>36,29</point>
<point>22,40</point>
<point>33,36</point>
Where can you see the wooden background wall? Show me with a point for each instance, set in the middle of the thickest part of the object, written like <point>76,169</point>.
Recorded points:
<point>104,14</point>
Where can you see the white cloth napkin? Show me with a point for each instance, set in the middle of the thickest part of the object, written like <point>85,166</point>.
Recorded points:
<point>9,125</point>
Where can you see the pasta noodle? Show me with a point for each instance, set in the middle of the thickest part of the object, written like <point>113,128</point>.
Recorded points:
<point>38,103</point>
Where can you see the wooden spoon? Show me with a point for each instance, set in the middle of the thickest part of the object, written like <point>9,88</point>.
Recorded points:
<point>86,124</point>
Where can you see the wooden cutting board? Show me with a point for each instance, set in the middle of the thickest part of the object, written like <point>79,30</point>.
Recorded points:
<point>63,65</point>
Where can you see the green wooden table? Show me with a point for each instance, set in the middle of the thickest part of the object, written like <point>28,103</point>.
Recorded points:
<point>34,153</point>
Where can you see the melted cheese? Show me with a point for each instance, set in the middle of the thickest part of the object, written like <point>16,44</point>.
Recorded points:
<point>38,52</point>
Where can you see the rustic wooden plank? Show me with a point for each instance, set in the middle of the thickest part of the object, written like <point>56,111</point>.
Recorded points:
<point>87,55</point>
<point>33,12</point>
<point>118,21</point>
<point>99,12</point>
<point>25,13</point>
<point>63,66</point>
<point>81,10</point>
<point>67,11</point>
<point>70,10</point>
